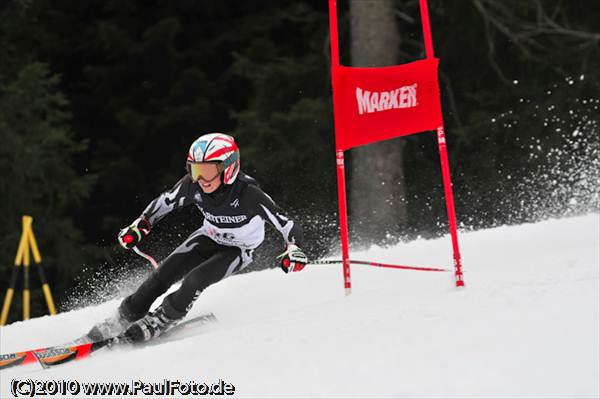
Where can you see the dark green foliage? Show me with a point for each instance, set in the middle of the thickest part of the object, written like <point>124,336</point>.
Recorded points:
<point>38,174</point>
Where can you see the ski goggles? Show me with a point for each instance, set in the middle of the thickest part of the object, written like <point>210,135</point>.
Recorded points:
<point>206,171</point>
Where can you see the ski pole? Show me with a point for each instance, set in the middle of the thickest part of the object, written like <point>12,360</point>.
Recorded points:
<point>147,257</point>
<point>376,264</point>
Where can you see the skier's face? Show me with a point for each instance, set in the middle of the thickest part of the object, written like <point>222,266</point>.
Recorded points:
<point>206,174</point>
<point>209,186</point>
<point>207,171</point>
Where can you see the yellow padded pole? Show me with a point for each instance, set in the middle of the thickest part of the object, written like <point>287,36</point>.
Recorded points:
<point>26,301</point>
<point>6,306</point>
<point>34,247</point>
<point>26,261</point>
<point>49,301</point>
<point>27,242</point>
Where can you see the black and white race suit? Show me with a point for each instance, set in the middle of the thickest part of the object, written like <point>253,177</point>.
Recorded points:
<point>234,225</point>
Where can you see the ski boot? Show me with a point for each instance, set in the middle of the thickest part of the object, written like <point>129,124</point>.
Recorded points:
<point>114,325</point>
<point>154,324</point>
<point>108,328</point>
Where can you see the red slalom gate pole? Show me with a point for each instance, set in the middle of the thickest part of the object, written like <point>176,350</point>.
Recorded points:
<point>343,220</point>
<point>341,175</point>
<point>377,264</point>
<point>450,205</point>
<point>426,28</point>
<point>443,157</point>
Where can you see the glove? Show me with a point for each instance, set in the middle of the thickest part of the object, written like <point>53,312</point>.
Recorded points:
<point>293,259</point>
<point>131,236</point>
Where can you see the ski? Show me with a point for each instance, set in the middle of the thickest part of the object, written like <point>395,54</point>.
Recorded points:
<point>83,347</point>
<point>28,356</point>
<point>61,355</point>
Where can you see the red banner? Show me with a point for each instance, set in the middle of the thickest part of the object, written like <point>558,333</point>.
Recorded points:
<point>374,104</point>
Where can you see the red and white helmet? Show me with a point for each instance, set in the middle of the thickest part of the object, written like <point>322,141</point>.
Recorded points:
<point>218,148</point>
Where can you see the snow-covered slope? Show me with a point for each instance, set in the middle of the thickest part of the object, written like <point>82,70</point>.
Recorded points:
<point>526,325</point>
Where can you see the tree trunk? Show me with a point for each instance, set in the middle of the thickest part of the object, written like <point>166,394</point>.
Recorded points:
<point>377,194</point>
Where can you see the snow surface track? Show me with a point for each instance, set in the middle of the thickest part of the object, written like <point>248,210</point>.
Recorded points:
<point>526,325</point>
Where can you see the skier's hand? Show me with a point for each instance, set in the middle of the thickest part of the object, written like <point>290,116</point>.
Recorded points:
<point>293,259</point>
<point>131,236</point>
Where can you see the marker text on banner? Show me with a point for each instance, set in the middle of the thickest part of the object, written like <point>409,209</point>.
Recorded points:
<point>382,103</point>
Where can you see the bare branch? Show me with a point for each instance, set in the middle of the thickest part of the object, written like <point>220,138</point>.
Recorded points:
<point>405,17</point>
<point>501,27</point>
<point>523,33</point>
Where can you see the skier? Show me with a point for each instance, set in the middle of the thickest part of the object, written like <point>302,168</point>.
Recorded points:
<point>235,210</point>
